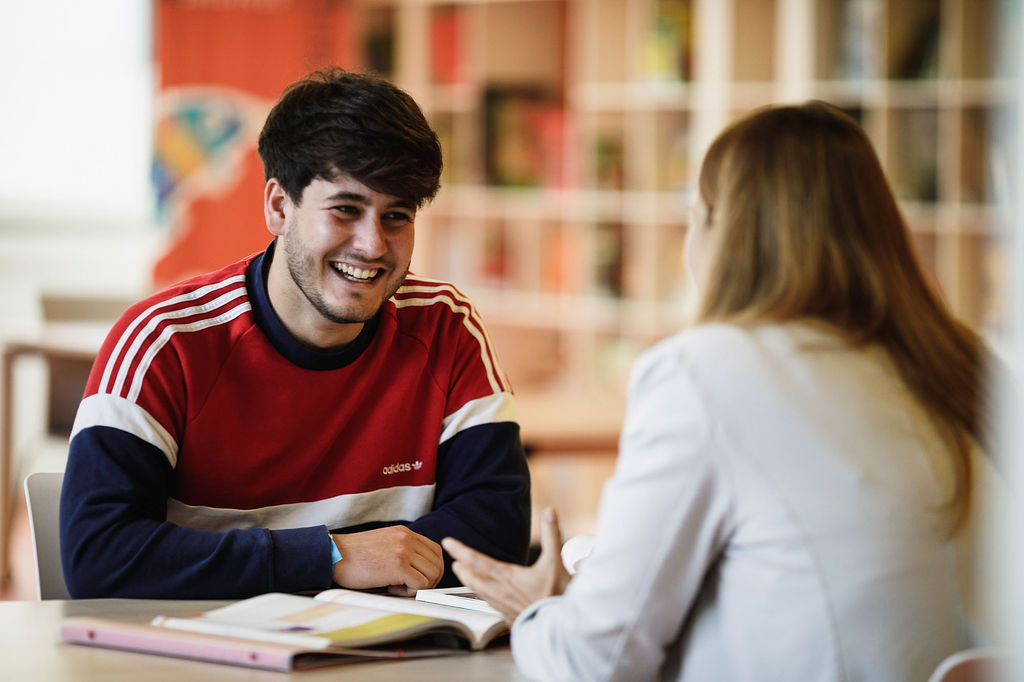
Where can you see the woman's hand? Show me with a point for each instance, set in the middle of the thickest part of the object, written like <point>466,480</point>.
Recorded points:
<point>507,587</point>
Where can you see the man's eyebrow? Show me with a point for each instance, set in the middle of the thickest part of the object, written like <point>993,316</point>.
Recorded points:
<point>349,196</point>
<point>364,200</point>
<point>403,203</point>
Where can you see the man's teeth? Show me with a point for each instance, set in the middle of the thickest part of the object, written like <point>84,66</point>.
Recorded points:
<point>356,273</point>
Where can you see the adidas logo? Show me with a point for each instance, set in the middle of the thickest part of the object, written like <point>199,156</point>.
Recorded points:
<point>402,467</point>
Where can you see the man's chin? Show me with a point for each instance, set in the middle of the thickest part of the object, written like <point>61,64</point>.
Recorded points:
<point>352,314</point>
<point>358,306</point>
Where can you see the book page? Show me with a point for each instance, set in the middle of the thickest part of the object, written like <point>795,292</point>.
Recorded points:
<point>302,621</point>
<point>483,626</point>
<point>459,597</point>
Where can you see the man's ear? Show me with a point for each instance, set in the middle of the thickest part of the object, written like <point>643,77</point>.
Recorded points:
<point>276,206</point>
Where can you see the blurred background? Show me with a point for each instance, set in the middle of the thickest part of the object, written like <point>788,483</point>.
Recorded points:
<point>572,131</point>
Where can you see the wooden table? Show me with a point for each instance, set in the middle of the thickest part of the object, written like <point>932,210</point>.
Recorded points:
<point>30,650</point>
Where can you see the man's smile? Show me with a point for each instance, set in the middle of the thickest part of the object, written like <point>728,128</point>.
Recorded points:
<point>356,274</point>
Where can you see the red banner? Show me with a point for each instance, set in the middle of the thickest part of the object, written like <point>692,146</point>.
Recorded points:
<point>222,64</point>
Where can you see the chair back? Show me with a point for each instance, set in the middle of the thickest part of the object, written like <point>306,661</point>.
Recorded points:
<point>42,495</point>
<point>973,665</point>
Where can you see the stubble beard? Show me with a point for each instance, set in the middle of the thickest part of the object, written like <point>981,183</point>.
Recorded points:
<point>301,267</point>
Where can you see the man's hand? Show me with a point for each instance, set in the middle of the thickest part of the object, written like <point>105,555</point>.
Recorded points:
<point>393,557</point>
<point>507,587</point>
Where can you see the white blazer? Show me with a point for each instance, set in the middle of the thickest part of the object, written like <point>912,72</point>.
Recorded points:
<point>774,515</point>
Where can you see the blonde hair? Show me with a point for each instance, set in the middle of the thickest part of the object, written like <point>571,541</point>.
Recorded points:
<point>804,225</point>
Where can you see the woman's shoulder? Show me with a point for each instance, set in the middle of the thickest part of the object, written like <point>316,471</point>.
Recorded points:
<point>700,335</point>
<point>723,348</point>
<point>714,337</point>
<point>695,350</point>
<point>705,341</point>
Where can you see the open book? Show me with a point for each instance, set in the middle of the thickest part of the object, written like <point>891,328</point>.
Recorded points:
<point>288,632</point>
<point>460,597</point>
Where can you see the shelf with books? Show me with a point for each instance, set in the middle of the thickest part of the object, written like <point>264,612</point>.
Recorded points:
<point>626,42</point>
<point>663,143</point>
<point>846,40</point>
<point>985,28</point>
<point>672,284</point>
<point>447,33</point>
<point>976,171</point>
<point>925,244</point>
<point>608,254</point>
<point>457,132</point>
<point>667,41</point>
<point>601,42</point>
<point>451,98</point>
<point>746,96</point>
<point>523,136</point>
<point>570,242</point>
<point>587,205</point>
<point>643,95</point>
<point>915,39</point>
<point>984,254</point>
<point>377,22</point>
<point>573,130</point>
<point>605,164</point>
<point>912,153</point>
<point>753,40</point>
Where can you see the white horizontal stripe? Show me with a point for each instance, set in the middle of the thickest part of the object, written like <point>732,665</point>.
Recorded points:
<point>485,357</point>
<point>192,295</point>
<point>169,331</point>
<point>497,407</point>
<point>389,504</point>
<point>103,409</point>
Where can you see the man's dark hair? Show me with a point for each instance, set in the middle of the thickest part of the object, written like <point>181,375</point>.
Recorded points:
<point>334,121</point>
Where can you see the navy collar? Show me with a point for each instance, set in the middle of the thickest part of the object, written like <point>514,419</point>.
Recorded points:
<point>281,339</point>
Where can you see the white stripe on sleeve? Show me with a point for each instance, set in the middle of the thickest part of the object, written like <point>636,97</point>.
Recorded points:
<point>103,409</point>
<point>190,296</point>
<point>497,407</point>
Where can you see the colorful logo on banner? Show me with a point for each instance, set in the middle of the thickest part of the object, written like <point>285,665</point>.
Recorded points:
<point>202,136</point>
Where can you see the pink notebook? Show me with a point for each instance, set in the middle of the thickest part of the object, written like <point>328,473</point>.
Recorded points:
<point>221,649</point>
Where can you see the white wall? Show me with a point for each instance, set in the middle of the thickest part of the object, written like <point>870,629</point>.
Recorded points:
<point>75,128</point>
<point>1008,549</point>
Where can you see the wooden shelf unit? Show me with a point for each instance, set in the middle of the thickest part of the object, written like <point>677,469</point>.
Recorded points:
<point>573,130</point>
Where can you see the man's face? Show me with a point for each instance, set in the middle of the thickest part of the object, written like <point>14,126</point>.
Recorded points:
<point>341,254</point>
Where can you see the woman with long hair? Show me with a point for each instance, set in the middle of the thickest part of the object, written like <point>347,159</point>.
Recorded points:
<point>793,468</point>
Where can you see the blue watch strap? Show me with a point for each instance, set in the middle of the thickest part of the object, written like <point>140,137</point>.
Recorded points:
<point>335,552</point>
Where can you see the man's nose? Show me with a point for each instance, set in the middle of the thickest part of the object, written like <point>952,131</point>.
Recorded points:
<point>368,238</point>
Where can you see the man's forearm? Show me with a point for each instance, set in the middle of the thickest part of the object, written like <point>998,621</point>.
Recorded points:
<point>483,495</point>
<point>115,541</point>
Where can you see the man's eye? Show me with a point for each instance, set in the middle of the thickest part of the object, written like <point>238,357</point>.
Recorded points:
<point>347,210</point>
<point>398,217</point>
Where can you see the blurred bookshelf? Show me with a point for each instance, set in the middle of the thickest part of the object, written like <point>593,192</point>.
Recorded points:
<point>572,131</point>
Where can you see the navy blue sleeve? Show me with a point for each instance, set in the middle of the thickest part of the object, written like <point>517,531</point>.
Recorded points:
<point>115,540</point>
<point>482,496</point>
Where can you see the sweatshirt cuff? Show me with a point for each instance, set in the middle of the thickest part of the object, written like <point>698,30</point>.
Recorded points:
<point>301,560</point>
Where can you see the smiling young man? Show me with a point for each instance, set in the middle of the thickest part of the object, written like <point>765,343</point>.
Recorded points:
<point>312,414</point>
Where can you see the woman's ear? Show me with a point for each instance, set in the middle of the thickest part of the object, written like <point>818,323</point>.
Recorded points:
<point>276,205</point>
<point>696,245</point>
